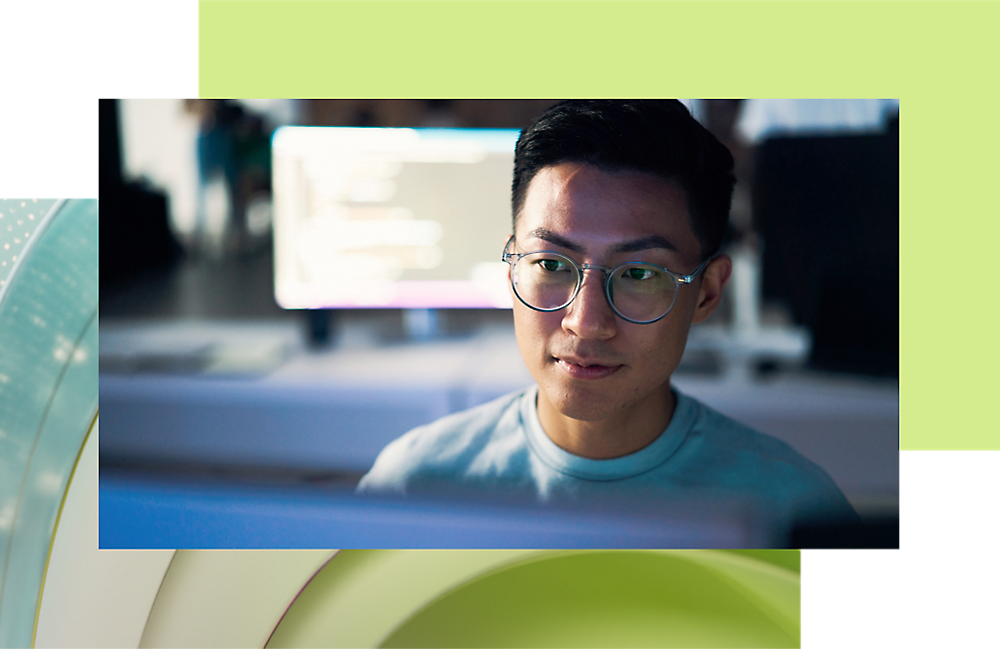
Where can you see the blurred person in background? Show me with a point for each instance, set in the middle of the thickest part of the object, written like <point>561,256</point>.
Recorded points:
<point>233,164</point>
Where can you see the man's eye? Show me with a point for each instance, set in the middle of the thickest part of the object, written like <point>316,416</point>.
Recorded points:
<point>552,265</point>
<point>639,273</point>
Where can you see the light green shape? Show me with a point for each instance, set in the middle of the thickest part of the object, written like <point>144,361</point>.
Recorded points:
<point>545,599</point>
<point>360,596</point>
<point>519,49</point>
<point>788,559</point>
<point>939,65</point>
<point>48,399</point>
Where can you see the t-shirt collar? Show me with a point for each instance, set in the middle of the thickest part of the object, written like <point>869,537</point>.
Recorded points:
<point>618,468</point>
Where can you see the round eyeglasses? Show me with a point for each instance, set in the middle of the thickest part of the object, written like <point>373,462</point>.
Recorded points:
<point>638,292</point>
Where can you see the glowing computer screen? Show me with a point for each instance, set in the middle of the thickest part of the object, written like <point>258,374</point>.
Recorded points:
<point>391,217</point>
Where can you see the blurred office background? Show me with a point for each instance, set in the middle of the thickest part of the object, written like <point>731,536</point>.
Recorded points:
<point>205,379</point>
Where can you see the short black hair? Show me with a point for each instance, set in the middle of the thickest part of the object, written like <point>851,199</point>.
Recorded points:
<point>654,136</point>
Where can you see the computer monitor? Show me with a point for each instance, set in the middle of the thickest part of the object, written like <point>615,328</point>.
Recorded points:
<point>410,218</point>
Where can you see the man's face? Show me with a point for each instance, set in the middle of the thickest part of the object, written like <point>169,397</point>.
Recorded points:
<point>590,364</point>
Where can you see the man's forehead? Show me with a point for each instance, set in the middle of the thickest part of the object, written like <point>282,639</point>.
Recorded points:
<point>574,206</point>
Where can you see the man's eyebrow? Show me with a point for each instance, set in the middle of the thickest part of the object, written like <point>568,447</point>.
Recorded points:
<point>645,243</point>
<point>556,239</point>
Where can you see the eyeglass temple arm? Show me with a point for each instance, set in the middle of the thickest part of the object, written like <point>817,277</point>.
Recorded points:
<point>687,279</point>
<point>504,255</point>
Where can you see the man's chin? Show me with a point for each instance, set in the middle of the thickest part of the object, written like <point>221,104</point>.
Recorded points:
<point>593,402</point>
<point>584,407</point>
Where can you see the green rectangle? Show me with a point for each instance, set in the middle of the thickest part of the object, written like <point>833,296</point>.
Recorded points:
<point>939,58</point>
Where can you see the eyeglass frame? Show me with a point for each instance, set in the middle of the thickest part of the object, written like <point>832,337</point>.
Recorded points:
<point>678,278</point>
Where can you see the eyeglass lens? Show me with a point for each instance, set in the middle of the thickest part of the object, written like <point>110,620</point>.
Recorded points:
<point>548,281</point>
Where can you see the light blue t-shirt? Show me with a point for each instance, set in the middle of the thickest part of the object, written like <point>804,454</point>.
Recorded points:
<point>501,448</point>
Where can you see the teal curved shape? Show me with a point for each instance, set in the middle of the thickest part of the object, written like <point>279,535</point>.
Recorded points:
<point>48,398</point>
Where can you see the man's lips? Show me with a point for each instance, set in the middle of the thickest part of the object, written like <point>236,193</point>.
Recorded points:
<point>585,368</point>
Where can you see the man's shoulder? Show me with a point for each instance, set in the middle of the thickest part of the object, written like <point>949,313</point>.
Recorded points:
<point>729,437</point>
<point>463,426</point>
<point>445,446</point>
<point>770,464</point>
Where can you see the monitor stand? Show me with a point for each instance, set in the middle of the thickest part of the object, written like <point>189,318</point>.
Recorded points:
<point>319,326</point>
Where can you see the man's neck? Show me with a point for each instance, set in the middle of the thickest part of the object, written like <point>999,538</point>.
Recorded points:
<point>622,434</point>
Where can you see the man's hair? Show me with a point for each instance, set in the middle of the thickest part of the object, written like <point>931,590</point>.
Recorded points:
<point>658,137</point>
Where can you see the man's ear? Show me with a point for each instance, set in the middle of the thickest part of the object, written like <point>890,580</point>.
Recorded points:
<point>713,280</point>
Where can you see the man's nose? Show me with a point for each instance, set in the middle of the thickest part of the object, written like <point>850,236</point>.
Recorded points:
<point>589,315</point>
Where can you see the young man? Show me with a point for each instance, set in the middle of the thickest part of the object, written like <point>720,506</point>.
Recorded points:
<point>619,211</point>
